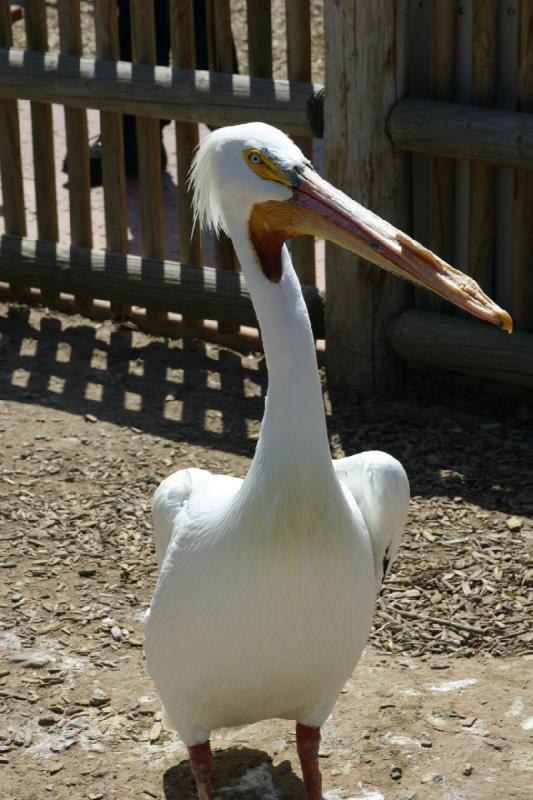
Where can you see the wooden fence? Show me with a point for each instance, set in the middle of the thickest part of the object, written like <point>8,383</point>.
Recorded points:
<point>428,121</point>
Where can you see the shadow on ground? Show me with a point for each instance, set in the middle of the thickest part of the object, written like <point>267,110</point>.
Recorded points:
<point>453,441</point>
<point>238,772</point>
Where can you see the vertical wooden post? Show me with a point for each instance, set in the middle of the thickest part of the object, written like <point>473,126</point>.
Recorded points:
<point>463,82</point>
<point>112,143</point>
<point>42,133</point>
<point>259,19</point>
<point>10,160</point>
<point>221,60</point>
<point>148,148</point>
<point>506,98</point>
<point>522,264</point>
<point>299,69</point>
<point>184,56</point>
<point>483,176</point>
<point>77,136</point>
<point>363,83</point>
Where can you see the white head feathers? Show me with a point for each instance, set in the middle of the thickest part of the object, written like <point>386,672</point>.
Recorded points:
<point>220,178</point>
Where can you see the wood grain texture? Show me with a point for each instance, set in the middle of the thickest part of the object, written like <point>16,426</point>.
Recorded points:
<point>483,176</point>
<point>461,131</point>
<point>364,84</point>
<point>76,133</point>
<point>10,160</point>
<point>298,14</point>
<point>148,139</point>
<point>148,283</point>
<point>112,143</point>
<point>259,20</point>
<point>185,95</point>
<point>464,345</point>
<point>42,133</point>
<point>522,264</point>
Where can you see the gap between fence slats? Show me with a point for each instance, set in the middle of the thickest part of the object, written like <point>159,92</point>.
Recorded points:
<point>184,56</point>
<point>10,158</point>
<point>148,143</point>
<point>522,262</point>
<point>77,138</point>
<point>299,69</point>
<point>112,143</point>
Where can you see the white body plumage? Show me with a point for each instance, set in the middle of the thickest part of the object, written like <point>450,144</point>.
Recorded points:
<point>267,585</point>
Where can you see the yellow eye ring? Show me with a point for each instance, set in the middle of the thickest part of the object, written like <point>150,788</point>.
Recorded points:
<point>265,168</point>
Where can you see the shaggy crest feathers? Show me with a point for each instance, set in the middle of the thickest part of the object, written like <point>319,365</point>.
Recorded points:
<point>206,201</point>
<point>203,176</point>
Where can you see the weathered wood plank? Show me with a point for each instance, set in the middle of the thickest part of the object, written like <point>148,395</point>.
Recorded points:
<point>461,168</point>
<point>259,20</point>
<point>148,139</point>
<point>464,345</point>
<point>460,131</point>
<point>506,98</point>
<point>483,176</point>
<point>361,298</point>
<point>164,93</point>
<point>42,133</point>
<point>522,263</point>
<point>187,137</point>
<point>298,15</point>
<point>10,160</point>
<point>76,134</point>
<point>184,56</point>
<point>148,283</point>
<point>112,143</point>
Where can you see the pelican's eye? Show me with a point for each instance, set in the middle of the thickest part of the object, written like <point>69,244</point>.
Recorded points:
<point>266,167</point>
<point>254,157</point>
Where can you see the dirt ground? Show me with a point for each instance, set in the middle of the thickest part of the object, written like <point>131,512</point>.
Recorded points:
<point>92,416</point>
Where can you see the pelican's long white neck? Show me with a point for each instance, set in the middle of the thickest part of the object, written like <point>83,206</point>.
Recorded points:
<point>293,432</point>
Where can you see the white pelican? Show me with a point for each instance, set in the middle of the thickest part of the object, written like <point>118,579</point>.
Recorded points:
<point>267,585</point>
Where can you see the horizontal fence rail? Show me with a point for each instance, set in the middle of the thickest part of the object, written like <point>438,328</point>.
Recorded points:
<point>162,285</point>
<point>464,345</point>
<point>216,99</point>
<point>453,130</point>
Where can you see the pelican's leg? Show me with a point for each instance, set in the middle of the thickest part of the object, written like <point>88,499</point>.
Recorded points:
<point>308,743</point>
<point>202,765</point>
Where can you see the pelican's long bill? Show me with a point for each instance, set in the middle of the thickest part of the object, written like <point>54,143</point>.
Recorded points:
<point>319,209</point>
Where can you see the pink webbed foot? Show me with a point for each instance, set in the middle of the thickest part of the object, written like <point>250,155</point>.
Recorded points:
<point>201,760</point>
<point>308,743</point>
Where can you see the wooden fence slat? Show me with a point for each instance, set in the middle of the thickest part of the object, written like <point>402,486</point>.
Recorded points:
<point>522,263</point>
<point>482,176</point>
<point>454,130</point>
<point>187,138</point>
<point>463,82</point>
<point>113,172</point>
<point>162,285</point>
<point>362,299</point>
<point>298,15</point>
<point>464,345</point>
<point>506,98</point>
<point>42,133</point>
<point>211,98</point>
<point>220,46</point>
<point>77,138</point>
<point>442,88</point>
<point>10,159</point>
<point>148,138</point>
<point>259,22</point>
